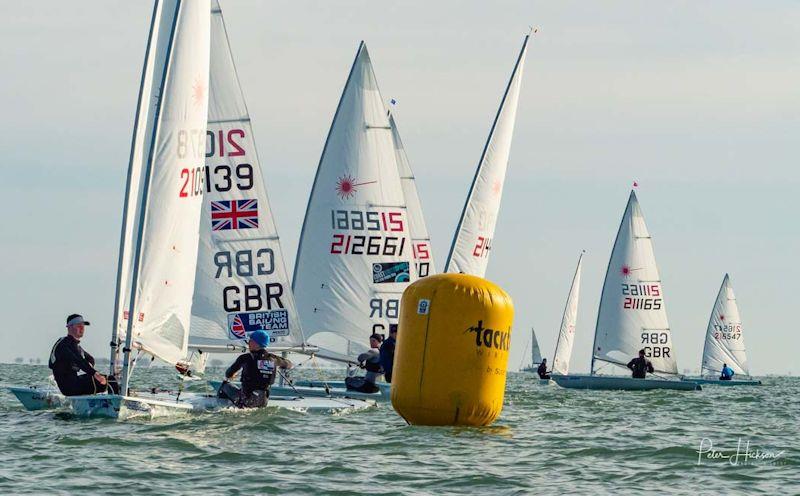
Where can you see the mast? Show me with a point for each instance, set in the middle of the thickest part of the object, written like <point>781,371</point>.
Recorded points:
<point>123,241</point>
<point>144,207</point>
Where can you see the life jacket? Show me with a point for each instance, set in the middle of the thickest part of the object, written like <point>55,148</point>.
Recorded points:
<point>373,366</point>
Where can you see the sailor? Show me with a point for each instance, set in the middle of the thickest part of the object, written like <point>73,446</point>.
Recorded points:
<point>73,368</point>
<point>387,353</point>
<point>542,370</point>
<point>258,368</point>
<point>727,373</point>
<point>641,366</point>
<point>370,360</point>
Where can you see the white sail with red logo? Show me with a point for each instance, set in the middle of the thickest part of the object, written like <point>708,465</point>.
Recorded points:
<point>632,314</point>
<point>355,256</point>
<point>472,242</point>
<point>420,239</point>
<point>241,284</point>
<point>164,260</point>
<point>724,339</point>
<point>566,334</point>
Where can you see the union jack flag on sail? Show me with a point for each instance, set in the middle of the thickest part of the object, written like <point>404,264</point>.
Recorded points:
<point>234,214</point>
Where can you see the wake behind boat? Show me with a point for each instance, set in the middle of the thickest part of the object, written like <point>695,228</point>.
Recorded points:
<point>632,316</point>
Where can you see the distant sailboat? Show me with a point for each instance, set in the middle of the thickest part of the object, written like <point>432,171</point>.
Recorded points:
<point>724,343</point>
<point>355,255</point>
<point>536,354</point>
<point>632,315</point>
<point>472,242</point>
<point>566,333</point>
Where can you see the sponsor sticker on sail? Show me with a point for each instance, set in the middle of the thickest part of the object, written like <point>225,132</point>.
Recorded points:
<point>388,272</point>
<point>240,325</point>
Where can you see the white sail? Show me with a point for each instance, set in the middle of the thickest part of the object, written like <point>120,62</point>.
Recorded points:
<point>632,314</point>
<point>724,338</point>
<point>420,239</point>
<point>536,352</point>
<point>149,91</point>
<point>164,264</point>
<point>566,334</point>
<point>355,258</point>
<point>472,242</point>
<point>241,283</point>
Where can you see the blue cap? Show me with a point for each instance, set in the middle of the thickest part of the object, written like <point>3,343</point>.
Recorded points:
<point>261,338</point>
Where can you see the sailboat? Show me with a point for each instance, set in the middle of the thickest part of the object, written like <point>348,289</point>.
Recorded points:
<point>241,282</point>
<point>632,315</point>
<point>161,214</point>
<point>536,354</point>
<point>472,242</point>
<point>724,343</point>
<point>566,333</point>
<point>355,255</point>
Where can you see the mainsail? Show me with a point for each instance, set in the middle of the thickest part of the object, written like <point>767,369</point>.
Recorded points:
<point>566,334</point>
<point>241,283</point>
<point>536,352</point>
<point>420,240</point>
<point>472,241</point>
<point>163,268</point>
<point>632,314</point>
<point>355,256</point>
<point>724,338</point>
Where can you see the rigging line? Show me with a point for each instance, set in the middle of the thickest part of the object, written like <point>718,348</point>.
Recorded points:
<point>319,374</point>
<point>289,381</point>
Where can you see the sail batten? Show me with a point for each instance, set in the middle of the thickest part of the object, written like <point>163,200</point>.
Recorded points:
<point>724,343</point>
<point>632,314</point>
<point>472,241</point>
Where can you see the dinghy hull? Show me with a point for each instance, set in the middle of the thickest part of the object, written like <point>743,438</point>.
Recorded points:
<point>115,406</point>
<point>314,399</point>
<point>717,382</point>
<point>35,398</point>
<point>600,382</point>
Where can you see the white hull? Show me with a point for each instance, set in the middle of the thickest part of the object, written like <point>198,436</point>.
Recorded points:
<point>127,407</point>
<point>717,382</point>
<point>162,404</point>
<point>318,391</point>
<point>621,383</point>
<point>35,398</point>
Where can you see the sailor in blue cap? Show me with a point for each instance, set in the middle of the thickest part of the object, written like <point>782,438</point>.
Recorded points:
<point>258,368</point>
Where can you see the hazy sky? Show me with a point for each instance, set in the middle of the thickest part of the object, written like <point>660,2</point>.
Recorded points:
<point>697,101</point>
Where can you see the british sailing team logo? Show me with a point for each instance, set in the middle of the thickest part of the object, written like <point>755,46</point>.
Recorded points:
<point>347,186</point>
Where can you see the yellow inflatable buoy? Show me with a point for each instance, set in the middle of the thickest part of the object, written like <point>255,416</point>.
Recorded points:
<point>452,351</point>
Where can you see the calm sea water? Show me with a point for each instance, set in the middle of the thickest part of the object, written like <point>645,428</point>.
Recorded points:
<point>548,440</point>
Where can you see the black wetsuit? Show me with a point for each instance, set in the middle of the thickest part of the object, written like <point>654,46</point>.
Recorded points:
<point>542,371</point>
<point>67,359</point>
<point>366,384</point>
<point>387,357</point>
<point>258,374</point>
<point>641,367</point>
